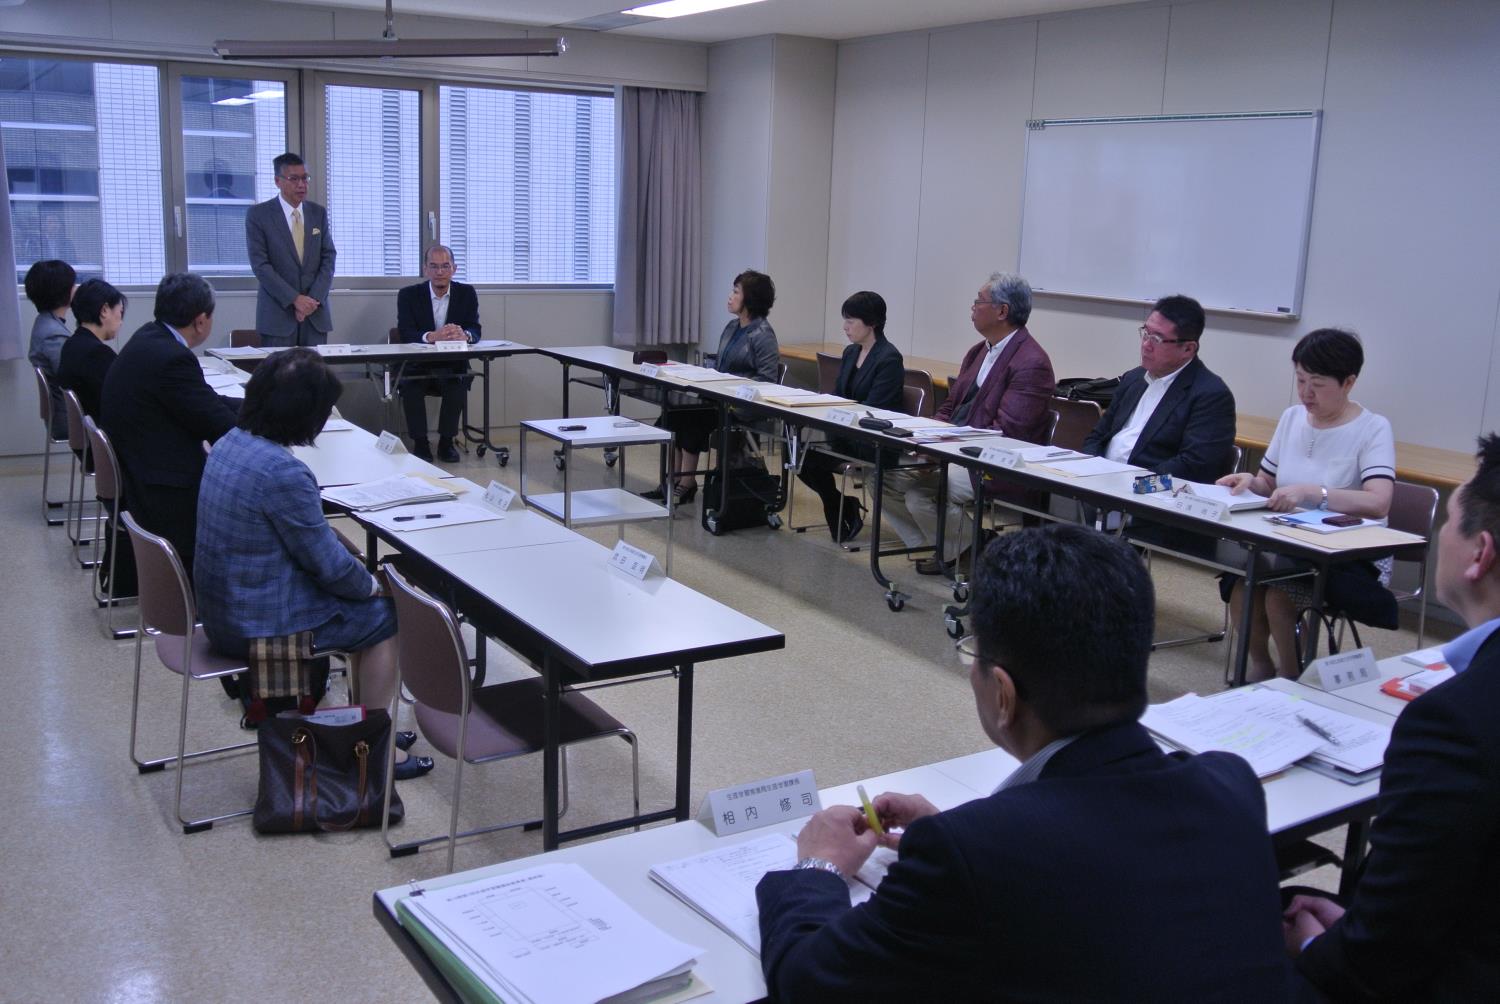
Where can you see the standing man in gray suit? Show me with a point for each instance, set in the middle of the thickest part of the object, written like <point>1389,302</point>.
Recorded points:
<point>291,253</point>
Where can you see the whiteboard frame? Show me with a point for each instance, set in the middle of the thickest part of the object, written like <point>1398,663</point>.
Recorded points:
<point>1037,125</point>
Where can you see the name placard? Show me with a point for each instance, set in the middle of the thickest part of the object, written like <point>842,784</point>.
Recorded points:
<point>650,369</point>
<point>1194,505</point>
<point>451,345</point>
<point>631,560</point>
<point>1335,672</point>
<point>335,349</point>
<point>759,803</point>
<point>497,496</point>
<point>746,392</point>
<point>843,416</point>
<point>390,443</point>
<point>1001,457</point>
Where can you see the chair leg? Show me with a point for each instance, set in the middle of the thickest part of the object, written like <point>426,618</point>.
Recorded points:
<point>1421,616</point>
<point>203,822</point>
<point>48,503</point>
<point>635,774</point>
<point>458,778</point>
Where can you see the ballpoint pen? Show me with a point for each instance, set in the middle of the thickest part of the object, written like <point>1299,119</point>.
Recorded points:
<point>428,515</point>
<point>1318,730</point>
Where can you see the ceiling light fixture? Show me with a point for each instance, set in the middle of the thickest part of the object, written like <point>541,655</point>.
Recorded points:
<point>682,8</point>
<point>387,46</point>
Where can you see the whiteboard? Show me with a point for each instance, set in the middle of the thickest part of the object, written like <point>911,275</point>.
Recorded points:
<point>1216,207</point>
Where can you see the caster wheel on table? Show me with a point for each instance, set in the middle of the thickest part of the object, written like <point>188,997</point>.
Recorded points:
<point>954,626</point>
<point>895,601</point>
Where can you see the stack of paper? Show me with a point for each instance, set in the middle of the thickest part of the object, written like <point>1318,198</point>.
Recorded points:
<point>431,516</point>
<point>1221,493</point>
<point>403,489</point>
<point>546,935</point>
<point>695,374</point>
<point>720,884</point>
<point>1271,731</point>
<point>1088,467</point>
<point>1427,658</point>
<point>804,399</point>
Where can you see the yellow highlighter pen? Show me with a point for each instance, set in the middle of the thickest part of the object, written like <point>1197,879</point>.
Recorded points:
<point>870,816</point>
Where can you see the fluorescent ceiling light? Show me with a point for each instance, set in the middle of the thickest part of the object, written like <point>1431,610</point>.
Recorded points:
<point>681,8</point>
<point>234,101</point>
<point>266,95</point>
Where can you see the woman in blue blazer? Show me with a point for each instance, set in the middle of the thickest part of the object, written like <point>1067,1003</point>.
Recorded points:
<point>873,373</point>
<point>267,563</point>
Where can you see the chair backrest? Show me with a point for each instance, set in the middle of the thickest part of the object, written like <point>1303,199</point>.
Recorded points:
<point>1075,420</point>
<point>429,648</point>
<point>655,357</point>
<point>44,394</point>
<point>106,467</point>
<point>923,380</point>
<point>781,371</point>
<point>393,336</point>
<point>244,338</point>
<point>1413,510</point>
<point>828,372</point>
<point>78,438</point>
<point>1237,455</point>
<point>1052,418</point>
<point>913,399</point>
<point>166,598</point>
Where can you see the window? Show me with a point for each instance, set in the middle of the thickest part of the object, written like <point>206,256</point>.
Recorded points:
<point>83,165</point>
<point>374,179</point>
<point>231,130</point>
<point>527,185</point>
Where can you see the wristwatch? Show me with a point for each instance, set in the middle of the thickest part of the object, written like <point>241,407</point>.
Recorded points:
<point>821,864</point>
<point>1323,504</point>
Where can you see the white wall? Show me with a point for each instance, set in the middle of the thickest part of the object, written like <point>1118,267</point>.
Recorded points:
<point>767,156</point>
<point>1405,245</point>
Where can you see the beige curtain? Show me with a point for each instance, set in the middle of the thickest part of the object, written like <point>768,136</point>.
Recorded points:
<point>660,207</point>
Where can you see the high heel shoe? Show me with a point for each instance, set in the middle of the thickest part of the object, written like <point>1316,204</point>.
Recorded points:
<point>851,520</point>
<point>682,496</point>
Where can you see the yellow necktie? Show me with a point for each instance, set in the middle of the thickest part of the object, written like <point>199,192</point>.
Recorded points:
<point>297,232</point>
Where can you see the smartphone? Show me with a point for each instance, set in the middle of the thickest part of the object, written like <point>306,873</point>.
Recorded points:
<point>1342,520</point>
<point>571,428</point>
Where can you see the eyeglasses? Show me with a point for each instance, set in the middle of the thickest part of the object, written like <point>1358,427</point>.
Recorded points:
<point>440,266</point>
<point>967,648</point>
<point>297,179</point>
<point>1147,335</point>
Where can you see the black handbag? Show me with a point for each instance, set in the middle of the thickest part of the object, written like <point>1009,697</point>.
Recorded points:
<point>323,778</point>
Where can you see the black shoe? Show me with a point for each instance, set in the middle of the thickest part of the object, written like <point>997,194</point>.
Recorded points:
<point>934,566</point>
<point>405,739</point>
<point>657,495</point>
<point>413,766</point>
<point>682,496</point>
<point>447,452</point>
<point>420,450</point>
<point>852,520</point>
<point>231,685</point>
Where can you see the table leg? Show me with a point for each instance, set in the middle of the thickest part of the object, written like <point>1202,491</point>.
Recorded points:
<point>1310,649</point>
<point>1247,612</point>
<point>566,367</point>
<point>684,739</point>
<point>551,732</point>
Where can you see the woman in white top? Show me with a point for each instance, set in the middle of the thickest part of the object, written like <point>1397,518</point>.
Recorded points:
<point>1328,452</point>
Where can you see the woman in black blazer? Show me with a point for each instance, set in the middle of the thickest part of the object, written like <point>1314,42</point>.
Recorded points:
<point>86,355</point>
<point>872,372</point>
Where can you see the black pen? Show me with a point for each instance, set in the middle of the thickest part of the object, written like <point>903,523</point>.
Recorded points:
<point>429,515</point>
<point>1318,730</point>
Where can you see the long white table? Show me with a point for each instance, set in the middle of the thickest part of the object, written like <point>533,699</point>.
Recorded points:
<point>350,457</point>
<point>1298,802</point>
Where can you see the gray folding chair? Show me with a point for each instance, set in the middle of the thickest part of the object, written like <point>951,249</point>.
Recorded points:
<point>107,491</point>
<point>78,476</point>
<point>496,722</point>
<point>244,338</point>
<point>170,617</point>
<point>922,380</point>
<point>49,442</point>
<point>828,371</point>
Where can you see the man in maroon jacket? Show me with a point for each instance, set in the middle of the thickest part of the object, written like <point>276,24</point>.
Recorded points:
<point>1004,384</point>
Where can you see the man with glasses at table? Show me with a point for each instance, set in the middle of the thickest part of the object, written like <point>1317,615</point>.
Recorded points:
<point>1171,414</point>
<point>438,310</point>
<point>291,253</point>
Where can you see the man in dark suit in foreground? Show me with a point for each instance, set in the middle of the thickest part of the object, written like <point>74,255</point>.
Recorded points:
<point>1423,923</point>
<point>1171,414</point>
<point>1101,869</point>
<point>291,253</point>
<point>158,410</point>
<point>438,310</point>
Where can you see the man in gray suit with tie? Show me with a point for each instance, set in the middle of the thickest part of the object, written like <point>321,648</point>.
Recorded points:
<point>291,253</point>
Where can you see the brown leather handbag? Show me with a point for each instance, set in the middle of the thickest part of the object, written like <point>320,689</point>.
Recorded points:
<point>323,778</point>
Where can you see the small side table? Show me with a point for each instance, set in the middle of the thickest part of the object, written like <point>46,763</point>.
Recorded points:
<point>600,506</point>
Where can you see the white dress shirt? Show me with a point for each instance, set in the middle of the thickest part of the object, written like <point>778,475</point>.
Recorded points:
<point>439,310</point>
<point>286,211</point>
<point>1123,442</point>
<point>989,359</point>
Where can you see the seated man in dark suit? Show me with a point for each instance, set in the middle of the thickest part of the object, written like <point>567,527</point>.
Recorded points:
<point>1101,869</point>
<point>438,310</point>
<point>1004,383</point>
<point>158,410</point>
<point>1171,414</point>
<point>1422,922</point>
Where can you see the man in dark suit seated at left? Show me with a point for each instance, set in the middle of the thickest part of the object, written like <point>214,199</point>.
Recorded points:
<point>1100,869</point>
<point>438,310</point>
<point>1171,414</point>
<point>158,410</point>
